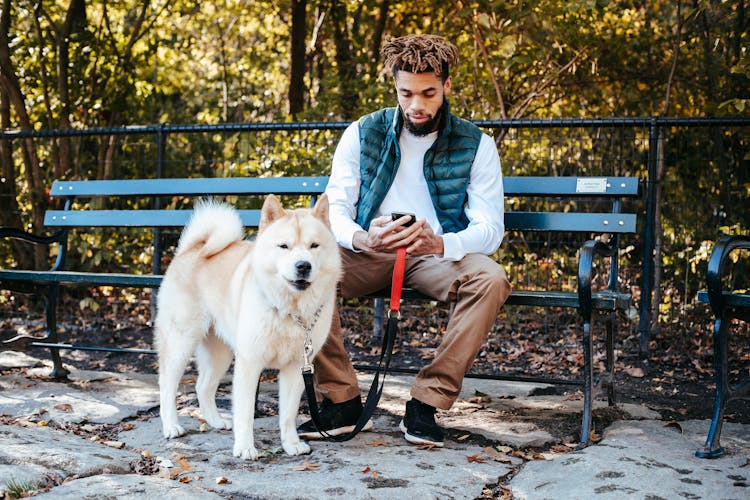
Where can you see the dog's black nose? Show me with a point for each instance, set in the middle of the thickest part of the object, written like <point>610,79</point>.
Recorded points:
<point>303,268</point>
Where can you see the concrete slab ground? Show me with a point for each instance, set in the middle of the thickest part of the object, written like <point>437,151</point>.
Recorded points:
<point>99,436</point>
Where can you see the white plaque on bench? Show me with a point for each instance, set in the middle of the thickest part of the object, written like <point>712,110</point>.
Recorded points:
<point>591,185</point>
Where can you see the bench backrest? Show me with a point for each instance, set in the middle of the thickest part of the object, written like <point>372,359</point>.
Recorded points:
<point>612,189</point>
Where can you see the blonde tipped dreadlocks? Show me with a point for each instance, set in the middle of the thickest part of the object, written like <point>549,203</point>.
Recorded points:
<point>420,54</point>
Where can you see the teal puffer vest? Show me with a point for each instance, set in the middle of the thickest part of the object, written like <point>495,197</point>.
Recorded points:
<point>447,165</point>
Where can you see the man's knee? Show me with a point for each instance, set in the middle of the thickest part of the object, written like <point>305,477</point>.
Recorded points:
<point>492,280</point>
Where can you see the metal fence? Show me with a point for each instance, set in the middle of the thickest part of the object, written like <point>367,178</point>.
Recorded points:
<point>700,166</point>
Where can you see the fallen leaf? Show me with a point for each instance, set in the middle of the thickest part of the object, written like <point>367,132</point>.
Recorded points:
<point>64,407</point>
<point>223,480</point>
<point>307,466</point>
<point>675,424</point>
<point>366,470</point>
<point>559,448</point>
<point>464,437</point>
<point>376,443</point>
<point>127,426</point>
<point>635,371</point>
<point>476,458</point>
<point>114,444</point>
<point>184,466</point>
<point>185,479</point>
<point>426,446</point>
<point>496,455</point>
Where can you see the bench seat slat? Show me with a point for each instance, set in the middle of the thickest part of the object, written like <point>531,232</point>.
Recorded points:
<point>87,278</point>
<point>601,300</point>
<point>731,299</point>
<point>605,300</point>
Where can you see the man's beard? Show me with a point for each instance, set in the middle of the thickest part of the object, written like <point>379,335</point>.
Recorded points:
<point>424,128</point>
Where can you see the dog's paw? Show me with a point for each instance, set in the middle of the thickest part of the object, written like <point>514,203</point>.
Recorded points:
<point>248,453</point>
<point>296,448</point>
<point>219,423</point>
<point>173,431</point>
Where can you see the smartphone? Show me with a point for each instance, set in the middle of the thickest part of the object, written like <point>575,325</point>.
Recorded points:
<point>398,215</point>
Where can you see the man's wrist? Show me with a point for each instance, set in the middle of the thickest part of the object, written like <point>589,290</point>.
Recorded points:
<point>359,241</point>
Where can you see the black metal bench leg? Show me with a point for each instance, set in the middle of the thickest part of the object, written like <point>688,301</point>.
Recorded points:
<point>610,361</point>
<point>50,308</point>
<point>588,376</point>
<point>713,448</point>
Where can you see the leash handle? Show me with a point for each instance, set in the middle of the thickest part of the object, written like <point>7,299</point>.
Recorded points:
<point>397,283</point>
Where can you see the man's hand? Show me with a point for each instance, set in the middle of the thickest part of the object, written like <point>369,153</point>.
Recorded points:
<point>387,235</point>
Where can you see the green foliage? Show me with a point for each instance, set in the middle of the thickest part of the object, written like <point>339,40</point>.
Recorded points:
<point>132,63</point>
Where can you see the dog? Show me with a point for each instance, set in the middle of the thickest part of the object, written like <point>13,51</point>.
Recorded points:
<point>225,298</point>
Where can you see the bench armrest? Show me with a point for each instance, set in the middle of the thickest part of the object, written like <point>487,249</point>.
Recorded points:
<point>585,270</point>
<point>60,237</point>
<point>717,265</point>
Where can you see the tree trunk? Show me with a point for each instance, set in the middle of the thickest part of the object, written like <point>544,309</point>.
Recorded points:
<point>345,67</point>
<point>377,39</point>
<point>10,214</point>
<point>297,71</point>
<point>12,90</point>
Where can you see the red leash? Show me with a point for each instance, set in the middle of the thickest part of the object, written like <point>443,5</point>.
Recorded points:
<point>386,351</point>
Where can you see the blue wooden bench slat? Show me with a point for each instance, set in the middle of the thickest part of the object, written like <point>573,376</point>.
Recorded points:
<point>729,298</point>
<point>571,186</point>
<point>604,300</point>
<point>529,221</point>
<point>571,221</point>
<point>76,277</point>
<point>524,185</point>
<point>131,218</point>
<point>191,187</point>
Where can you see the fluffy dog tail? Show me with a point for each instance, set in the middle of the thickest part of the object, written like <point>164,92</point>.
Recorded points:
<point>213,226</point>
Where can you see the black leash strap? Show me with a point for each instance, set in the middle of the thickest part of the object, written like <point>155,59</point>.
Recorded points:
<point>386,353</point>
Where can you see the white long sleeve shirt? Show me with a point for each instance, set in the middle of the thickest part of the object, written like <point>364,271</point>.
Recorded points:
<point>409,193</point>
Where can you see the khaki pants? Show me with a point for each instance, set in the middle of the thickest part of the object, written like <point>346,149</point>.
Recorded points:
<point>476,286</point>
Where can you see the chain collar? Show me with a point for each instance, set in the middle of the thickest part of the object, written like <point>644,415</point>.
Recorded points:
<point>307,367</point>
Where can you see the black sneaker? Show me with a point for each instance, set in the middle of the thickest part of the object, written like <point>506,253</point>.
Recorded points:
<point>419,425</point>
<point>336,419</point>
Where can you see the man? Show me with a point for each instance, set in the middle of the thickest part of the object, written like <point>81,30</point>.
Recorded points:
<point>422,159</point>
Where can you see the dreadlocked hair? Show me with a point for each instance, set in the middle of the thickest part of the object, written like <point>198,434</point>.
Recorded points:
<point>420,54</point>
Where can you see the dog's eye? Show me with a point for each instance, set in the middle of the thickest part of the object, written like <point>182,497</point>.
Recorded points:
<point>314,245</point>
<point>284,246</point>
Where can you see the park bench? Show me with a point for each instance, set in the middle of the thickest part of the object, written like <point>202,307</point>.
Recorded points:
<point>86,209</point>
<point>726,304</point>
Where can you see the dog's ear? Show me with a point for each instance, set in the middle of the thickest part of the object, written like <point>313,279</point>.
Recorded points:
<point>271,211</point>
<point>320,210</point>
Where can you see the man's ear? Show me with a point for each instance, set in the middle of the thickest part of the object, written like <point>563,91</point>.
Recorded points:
<point>447,86</point>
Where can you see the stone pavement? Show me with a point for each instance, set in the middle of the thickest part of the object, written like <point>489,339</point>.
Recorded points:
<point>99,436</point>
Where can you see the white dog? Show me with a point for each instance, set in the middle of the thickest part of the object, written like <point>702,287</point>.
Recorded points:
<point>259,301</point>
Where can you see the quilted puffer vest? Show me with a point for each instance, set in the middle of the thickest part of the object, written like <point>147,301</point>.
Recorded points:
<point>447,165</point>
